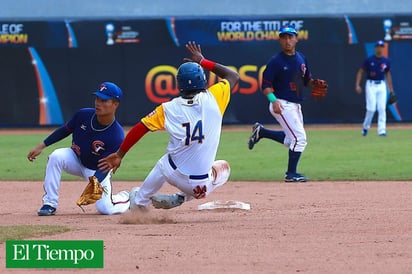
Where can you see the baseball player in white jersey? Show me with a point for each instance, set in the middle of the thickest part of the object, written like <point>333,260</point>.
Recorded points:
<point>377,69</point>
<point>193,121</point>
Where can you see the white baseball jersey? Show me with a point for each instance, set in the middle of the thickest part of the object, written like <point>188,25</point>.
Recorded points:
<point>194,126</point>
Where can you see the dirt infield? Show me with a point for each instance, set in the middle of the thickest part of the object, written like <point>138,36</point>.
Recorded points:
<point>315,227</point>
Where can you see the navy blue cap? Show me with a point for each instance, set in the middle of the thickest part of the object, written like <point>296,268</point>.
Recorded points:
<point>288,29</point>
<point>379,43</point>
<point>108,90</point>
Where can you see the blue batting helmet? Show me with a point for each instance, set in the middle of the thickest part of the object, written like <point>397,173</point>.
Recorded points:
<point>190,77</point>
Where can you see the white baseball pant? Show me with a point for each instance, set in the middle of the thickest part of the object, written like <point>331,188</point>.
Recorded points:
<point>163,172</point>
<point>375,95</point>
<point>64,159</point>
<point>291,121</point>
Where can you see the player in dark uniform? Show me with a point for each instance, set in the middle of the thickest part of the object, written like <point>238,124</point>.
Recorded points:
<point>284,79</point>
<point>378,79</point>
<point>95,134</point>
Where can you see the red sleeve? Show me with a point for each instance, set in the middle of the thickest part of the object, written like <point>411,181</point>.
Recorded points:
<point>133,136</point>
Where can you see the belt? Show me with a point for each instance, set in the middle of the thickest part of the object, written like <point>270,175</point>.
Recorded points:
<point>193,177</point>
<point>377,82</point>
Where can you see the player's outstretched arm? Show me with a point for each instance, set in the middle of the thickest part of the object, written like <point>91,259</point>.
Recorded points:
<point>220,70</point>
<point>31,156</point>
<point>112,161</point>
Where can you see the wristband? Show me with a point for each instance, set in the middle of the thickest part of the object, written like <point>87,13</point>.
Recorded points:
<point>207,64</point>
<point>271,97</point>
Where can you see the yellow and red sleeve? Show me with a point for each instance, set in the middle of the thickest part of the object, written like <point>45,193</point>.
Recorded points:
<point>152,122</point>
<point>221,92</point>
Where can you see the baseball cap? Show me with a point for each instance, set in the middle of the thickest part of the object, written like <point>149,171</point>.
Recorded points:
<point>379,43</point>
<point>289,29</point>
<point>108,90</point>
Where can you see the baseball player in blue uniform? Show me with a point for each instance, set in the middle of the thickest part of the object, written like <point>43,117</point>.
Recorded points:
<point>378,80</point>
<point>284,78</point>
<point>95,134</point>
<point>193,121</point>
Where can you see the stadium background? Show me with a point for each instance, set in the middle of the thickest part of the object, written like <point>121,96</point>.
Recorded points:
<point>52,56</point>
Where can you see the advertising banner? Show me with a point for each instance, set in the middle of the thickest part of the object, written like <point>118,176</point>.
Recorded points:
<point>49,69</point>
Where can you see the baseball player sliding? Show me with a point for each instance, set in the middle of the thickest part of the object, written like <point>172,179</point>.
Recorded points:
<point>193,121</point>
<point>95,134</point>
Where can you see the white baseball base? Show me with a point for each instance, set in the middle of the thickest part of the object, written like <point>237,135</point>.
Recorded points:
<point>219,204</point>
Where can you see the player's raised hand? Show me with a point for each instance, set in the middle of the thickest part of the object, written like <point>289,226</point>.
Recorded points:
<point>112,161</point>
<point>196,52</point>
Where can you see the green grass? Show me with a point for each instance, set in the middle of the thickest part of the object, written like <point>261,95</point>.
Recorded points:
<point>29,231</point>
<point>330,155</point>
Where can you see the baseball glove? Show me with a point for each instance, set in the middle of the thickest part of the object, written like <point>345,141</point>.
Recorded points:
<point>92,193</point>
<point>392,98</point>
<point>319,88</point>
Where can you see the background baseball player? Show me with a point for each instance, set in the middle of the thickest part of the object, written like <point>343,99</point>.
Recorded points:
<point>284,78</point>
<point>377,69</point>
<point>95,133</point>
<point>193,121</point>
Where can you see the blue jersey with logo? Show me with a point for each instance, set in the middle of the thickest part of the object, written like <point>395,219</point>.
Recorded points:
<point>92,141</point>
<point>287,75</point>
<point>376,67</point>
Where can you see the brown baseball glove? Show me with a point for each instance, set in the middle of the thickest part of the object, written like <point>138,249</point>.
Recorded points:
<point>92,193</point>
<point>319,88</point>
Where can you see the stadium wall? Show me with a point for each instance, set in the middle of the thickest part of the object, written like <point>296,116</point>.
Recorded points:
<point>50,66</point>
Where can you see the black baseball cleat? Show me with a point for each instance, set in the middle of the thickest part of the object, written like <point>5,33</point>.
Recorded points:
<point>254,138</point>
<point>46,210</point>
<point>295,178</point>
<point>167,201</point>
